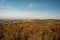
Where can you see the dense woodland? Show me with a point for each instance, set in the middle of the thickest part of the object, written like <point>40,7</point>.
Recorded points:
<point>30,29</point>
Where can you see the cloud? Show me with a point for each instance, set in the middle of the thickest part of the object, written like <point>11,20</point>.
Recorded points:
<point>31,5</point>
<point>17,14</point>
<point>2,1</point>
<point>14,14</point>
<point>35,5</point>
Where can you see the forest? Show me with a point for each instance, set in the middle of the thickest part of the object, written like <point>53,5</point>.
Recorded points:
<point>36,29</point>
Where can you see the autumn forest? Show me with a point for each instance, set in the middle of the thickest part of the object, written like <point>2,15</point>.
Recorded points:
<point>30,29</point>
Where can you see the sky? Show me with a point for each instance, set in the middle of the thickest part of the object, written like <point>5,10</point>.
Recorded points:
<point>29,9</point>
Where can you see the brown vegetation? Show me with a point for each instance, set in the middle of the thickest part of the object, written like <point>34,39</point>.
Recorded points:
<point>30,30</point>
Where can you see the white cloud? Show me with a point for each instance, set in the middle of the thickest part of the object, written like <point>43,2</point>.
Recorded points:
<point>9,12</point>
<point>2,1</point>
<point>34,5</point>
<point>18,14</point>
<point>31,5</point>
<point>14,14</point>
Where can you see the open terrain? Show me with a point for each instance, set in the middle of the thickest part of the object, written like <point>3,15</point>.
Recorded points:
<point>36,29</point>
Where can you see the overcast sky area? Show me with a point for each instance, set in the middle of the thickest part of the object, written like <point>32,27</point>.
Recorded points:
<point>29,9</point>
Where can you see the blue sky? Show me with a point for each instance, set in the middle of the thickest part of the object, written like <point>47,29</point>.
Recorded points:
<point>30,9</point>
